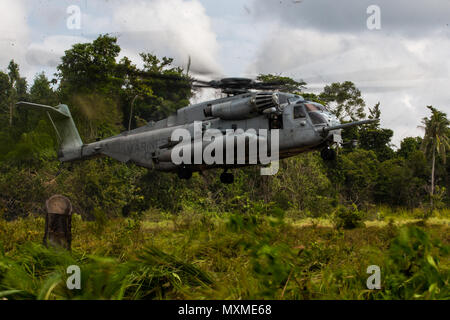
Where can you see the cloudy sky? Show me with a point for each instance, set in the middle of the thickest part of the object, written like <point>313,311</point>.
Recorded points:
<point>404,64</point>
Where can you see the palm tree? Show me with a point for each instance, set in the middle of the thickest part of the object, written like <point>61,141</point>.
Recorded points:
<point>435,140</point>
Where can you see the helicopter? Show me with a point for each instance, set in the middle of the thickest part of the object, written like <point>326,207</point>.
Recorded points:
<point>300,126</point>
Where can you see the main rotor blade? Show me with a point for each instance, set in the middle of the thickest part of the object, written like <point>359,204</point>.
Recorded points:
<point>163,76</point>
<point>224,84</point>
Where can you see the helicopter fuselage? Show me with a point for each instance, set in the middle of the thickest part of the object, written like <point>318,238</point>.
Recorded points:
<point>243,128</point>
<point>299,123</point>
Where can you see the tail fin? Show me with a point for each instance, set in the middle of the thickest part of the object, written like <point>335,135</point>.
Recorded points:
<point>66,131</point>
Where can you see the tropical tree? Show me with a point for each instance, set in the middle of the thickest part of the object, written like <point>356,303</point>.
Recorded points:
<point>5,89</point>
<point>42,92</point>
<point>13,88</point>
<point>344,100</point>
<point>436,140</point>
<point>408,146</point>
<point>373,137</point>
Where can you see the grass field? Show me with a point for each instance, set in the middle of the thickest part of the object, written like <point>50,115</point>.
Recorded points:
<point>228,256</point>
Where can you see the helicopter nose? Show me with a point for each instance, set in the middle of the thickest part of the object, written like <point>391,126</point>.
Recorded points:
<point>331,121</point>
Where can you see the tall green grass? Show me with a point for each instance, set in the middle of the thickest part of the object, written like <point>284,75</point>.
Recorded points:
<point>37,272</point>
<point>256,255</point>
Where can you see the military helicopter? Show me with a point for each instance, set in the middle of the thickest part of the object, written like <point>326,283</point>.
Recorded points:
<point>301,125</point>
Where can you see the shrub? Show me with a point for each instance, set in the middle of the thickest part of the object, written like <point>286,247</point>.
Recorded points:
<point>348,217</point>
<point>413,269</point>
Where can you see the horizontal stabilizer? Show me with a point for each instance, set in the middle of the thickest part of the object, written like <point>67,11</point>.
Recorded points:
<point>56,112</point>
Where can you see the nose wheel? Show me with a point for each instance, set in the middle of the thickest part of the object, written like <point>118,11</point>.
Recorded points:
<point>226,178</point>
<point>328,154</point>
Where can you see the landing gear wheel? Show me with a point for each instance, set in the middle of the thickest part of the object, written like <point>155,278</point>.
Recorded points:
<point>227,178</point>
<point>328,154</point>
<point>184,173</point>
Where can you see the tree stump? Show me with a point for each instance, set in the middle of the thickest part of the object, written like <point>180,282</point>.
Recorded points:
<point>58,222</point>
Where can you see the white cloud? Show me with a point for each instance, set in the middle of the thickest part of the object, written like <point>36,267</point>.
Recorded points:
<point>173,28</point>
<point>403,74</point>
<point>410,18</point>
<point>48,53</point>
<point>14,32</point>
<point>286,49</point>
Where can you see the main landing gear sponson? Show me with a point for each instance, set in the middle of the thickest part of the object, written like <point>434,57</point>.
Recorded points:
<point>328,154</point>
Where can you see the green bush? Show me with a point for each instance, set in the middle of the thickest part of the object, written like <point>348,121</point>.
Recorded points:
<point>348,217</point>
<point>21,192</point>
<point>413,268</point>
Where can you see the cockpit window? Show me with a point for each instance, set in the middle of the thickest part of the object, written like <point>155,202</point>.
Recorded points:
<point>315,107</point>
<point>314,111</point>
<point>282,99</point>
<point>310,107</point>
<point>299,112</point>
<point>316,118</point>
<point>293,99</point>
